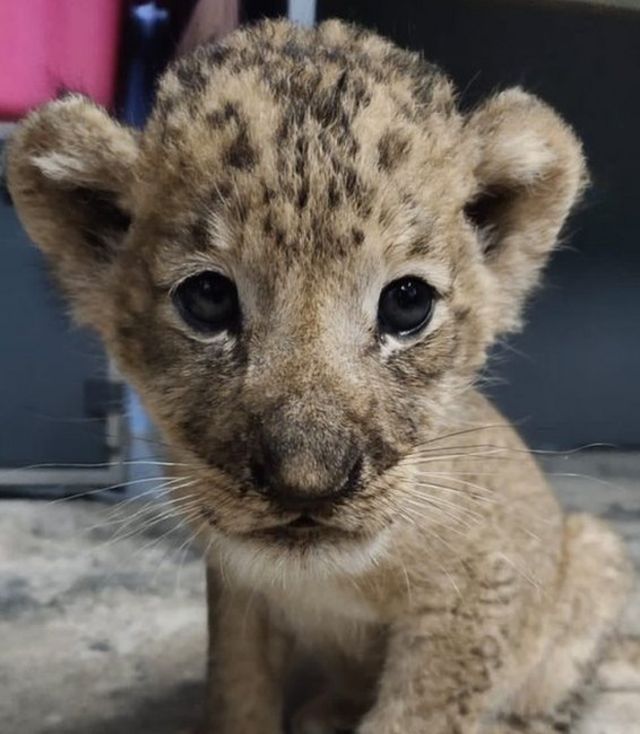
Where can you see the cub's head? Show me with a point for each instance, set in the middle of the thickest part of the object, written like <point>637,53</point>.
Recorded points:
<point>300,264</point>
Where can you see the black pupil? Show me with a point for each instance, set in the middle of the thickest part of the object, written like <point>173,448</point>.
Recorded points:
<point>208,302</point>
<point>405,306</point>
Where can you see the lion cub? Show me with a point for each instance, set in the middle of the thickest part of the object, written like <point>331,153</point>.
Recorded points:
<point>300,264</point>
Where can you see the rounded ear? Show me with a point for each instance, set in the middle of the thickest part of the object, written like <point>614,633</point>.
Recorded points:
<point>530,171</point>
<point>69,171</point>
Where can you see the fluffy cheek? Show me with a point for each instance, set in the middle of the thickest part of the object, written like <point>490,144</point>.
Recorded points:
<point>211,501</point>
<point>190,389</point>
<point>198,413</point>
<point>419,382</point>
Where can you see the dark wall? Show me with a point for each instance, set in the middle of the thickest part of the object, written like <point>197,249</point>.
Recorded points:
<point>255,9</point>
<point>573,376</point>
<point>45,364</point>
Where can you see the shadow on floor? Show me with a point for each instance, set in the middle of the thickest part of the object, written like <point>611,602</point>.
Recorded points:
<point>174,711</point>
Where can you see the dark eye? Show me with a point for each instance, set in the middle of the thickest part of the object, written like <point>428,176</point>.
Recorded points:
<point>208,302</point>
<point>405,306</point>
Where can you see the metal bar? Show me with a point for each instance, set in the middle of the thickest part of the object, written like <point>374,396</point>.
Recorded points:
<point>33,477</point>
<point>302,11</point>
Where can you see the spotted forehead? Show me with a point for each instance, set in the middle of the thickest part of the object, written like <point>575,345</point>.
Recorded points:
<point>292,136</point>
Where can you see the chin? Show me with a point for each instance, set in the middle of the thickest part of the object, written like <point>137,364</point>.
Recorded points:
<point>279,557</point>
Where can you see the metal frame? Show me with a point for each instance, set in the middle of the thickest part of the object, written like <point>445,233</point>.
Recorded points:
<point>112,473</point>
<point>302,11</point>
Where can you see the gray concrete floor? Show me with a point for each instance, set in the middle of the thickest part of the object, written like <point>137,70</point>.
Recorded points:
<point>108,637</point>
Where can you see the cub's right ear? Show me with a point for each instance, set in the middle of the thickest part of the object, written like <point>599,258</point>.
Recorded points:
<point>70,169</point>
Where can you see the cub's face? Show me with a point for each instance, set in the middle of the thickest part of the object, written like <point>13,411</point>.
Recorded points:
<point>300,264</point>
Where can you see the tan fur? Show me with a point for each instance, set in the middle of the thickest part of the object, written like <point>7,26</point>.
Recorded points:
<point>446,593</point>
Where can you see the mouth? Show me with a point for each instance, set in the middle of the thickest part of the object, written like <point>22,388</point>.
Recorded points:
<point>303,522</point>
<point>303,528</point>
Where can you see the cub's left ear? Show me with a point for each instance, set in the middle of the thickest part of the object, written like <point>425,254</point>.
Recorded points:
<point>70,171</point>
<point>530,171</point>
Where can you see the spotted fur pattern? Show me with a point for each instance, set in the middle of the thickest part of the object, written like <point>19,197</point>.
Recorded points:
<point>443,591</point>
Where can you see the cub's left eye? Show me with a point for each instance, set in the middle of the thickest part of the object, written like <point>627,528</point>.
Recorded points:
<point>405,306</point>
<point>208,302</point>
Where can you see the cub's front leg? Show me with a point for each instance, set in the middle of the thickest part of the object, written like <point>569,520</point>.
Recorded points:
<point>246,663</point>
<point>438,679</point>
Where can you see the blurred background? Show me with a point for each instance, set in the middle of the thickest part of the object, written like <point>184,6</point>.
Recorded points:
<point>91,641</point>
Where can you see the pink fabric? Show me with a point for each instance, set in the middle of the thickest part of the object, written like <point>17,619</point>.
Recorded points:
<point>49,45</point>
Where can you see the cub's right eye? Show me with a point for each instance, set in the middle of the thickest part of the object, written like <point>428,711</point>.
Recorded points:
<point>208,303</point>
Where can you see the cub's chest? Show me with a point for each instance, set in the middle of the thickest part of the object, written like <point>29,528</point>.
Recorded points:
<point>324,613</point>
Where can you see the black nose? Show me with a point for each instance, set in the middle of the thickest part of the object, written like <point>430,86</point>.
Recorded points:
<point>311,495</point>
